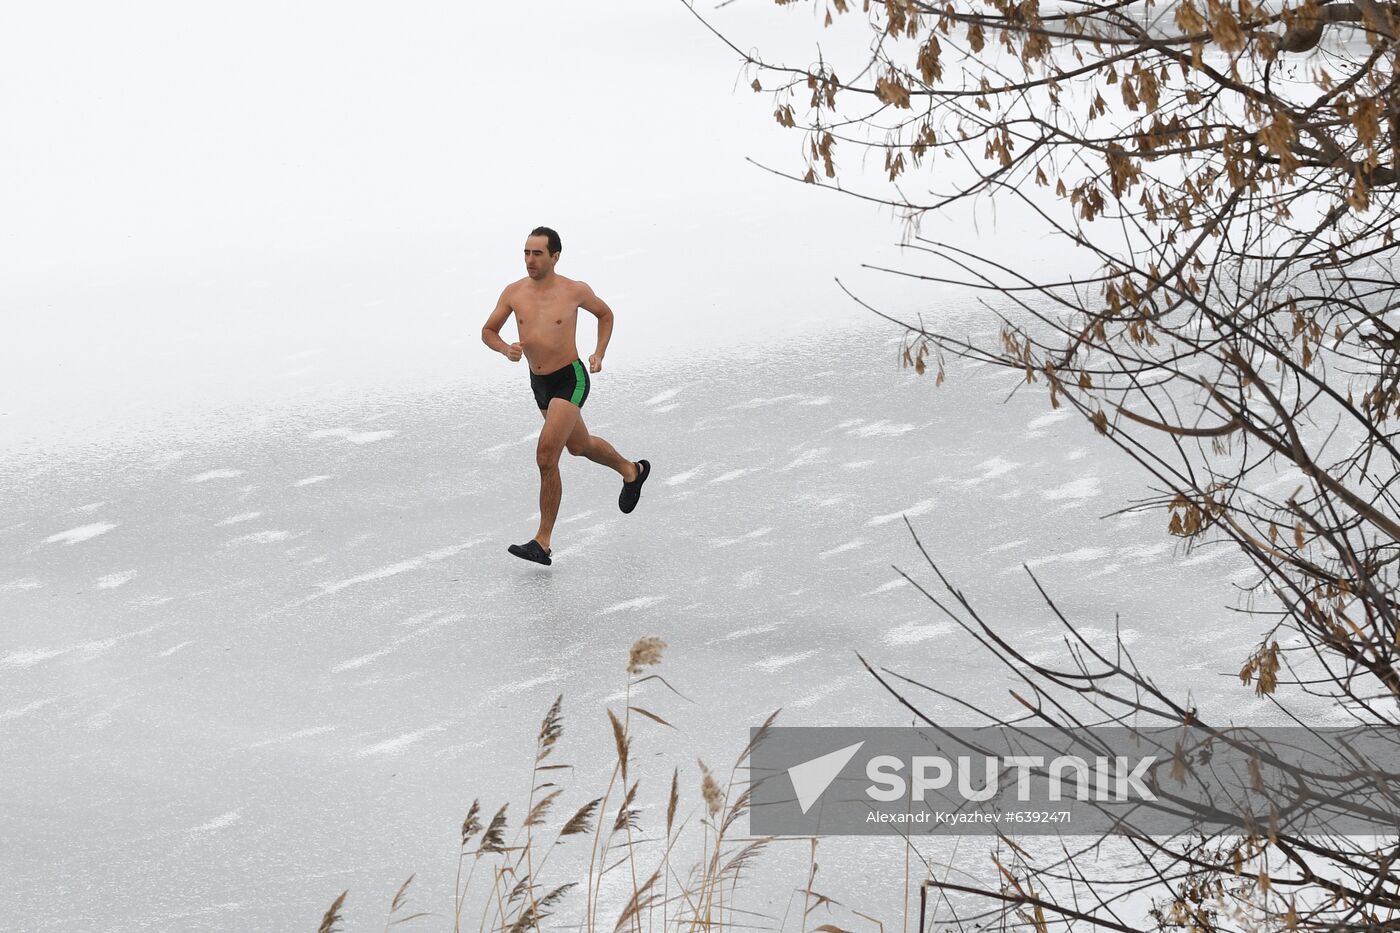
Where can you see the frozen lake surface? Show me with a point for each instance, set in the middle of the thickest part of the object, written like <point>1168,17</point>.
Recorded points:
<point>244,669</point>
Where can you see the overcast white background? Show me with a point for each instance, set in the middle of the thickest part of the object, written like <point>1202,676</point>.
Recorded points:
<point>246,205</point>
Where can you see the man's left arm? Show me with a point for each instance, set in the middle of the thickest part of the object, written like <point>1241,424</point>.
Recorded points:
<point>599,309</point>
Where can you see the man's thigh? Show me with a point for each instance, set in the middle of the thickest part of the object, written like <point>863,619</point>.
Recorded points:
<point>561,420</point>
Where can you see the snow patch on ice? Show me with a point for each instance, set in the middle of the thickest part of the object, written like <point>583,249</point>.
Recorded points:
<point>219,822</point>
<point>911,633</point>
<point>663,397</point>
<point>354,437</point>
<point>507,444</point>
<point>641,602</point>
<point>9,714</point>
<point>113,580</point>
<point>161,461</point>
<point>395,569</point>
<point>27,583</point>
<point>756,533</point>
<point>809,456</point>
<point>886,587</point>
<point>1044,421</point>
<point>881,428</point>
<point>764,402</point>
<point>769,665</point>
<point>1086,487</point>
<point>80,534</point>
<point>208,475</point>
<point>848,546</point>
<point>396,745</point>
<point>918,508</point>
<point>312,480</point>
<point>685,477</point>
<point>1080,556</point>
<point>260,537</point>
<point>991,469</point>
<point>293,737</point>
<point>241,517</point>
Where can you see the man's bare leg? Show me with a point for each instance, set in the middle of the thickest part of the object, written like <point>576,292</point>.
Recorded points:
<point>559,422</point>
<point>583,444</point>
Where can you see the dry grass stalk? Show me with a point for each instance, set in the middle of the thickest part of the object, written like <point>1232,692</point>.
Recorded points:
<point>515,900</point>
<point>332,917</point>
<point>646,652</point>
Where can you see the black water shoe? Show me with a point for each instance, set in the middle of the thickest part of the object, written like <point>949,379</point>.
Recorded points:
<point>632,491</point>
<point>531,550</point>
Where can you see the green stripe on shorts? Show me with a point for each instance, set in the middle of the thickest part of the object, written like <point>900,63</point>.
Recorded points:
<point>580,383</point>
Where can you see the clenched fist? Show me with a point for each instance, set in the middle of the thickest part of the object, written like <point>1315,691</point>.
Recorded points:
<point>513,352</point>
<point>595,363</point>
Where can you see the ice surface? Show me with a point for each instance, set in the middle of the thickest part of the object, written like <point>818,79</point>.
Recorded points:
<point>217,731</point>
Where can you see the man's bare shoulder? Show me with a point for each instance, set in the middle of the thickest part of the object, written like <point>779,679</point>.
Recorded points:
<point>513,289</point>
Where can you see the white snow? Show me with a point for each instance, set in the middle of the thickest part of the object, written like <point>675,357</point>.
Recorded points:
<point>756,533</point>
<point>398,568</point>
<point>663,397</point>
<point>7,715</point>
<point>841,549</point>
<point>396,745</point>
<point>1044,421</point>
<point>241,517</point>
<point>215,474</point>
<point>921,507</point>
<point>991,469</point>
<point>113,580</point>
<point>641,602</point>
<point>354,437</point>
<point>219,822</point>
<point>685,477</point>
<point>293,737</point>
<point>733,474</point>
<point>1086,487</point>
<point>815,455</point>
<point>887,587</point>
<point>882,428</point>
<point>80,534</point>
<point>769,665</point>
<point>260,537</point>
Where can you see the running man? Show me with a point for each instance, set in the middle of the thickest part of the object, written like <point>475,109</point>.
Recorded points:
<point>546,306</point>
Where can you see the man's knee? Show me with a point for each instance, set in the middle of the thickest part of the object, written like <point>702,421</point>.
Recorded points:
<point>547,459</point>
<point>577,448</point>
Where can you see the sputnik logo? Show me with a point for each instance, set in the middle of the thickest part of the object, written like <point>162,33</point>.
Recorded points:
<point>811,778</point>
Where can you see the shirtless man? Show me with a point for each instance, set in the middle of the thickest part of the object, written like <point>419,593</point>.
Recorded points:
<point>546,306</point>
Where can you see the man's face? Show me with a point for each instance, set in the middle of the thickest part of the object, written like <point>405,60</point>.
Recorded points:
<point>538,262</point>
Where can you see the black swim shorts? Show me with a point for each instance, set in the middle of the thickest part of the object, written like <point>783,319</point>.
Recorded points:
<point>570,383</point>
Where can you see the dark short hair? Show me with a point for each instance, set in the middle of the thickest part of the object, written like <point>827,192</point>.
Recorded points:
<point>555,247</point>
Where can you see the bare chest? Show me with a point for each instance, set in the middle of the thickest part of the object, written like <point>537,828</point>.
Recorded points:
<point>544,314</point>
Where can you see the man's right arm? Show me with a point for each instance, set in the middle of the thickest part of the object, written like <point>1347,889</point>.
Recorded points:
<point>491,330</point>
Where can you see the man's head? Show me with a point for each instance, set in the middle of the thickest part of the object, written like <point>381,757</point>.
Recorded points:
<point>542,249</point>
